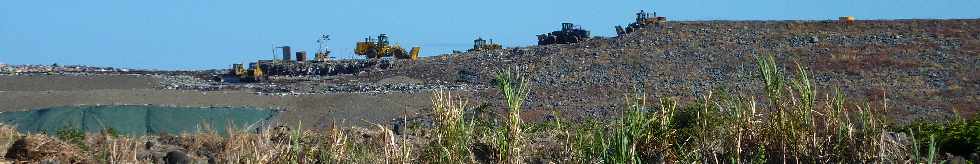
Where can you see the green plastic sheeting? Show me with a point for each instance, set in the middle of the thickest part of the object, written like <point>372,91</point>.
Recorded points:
<point>136,120</point>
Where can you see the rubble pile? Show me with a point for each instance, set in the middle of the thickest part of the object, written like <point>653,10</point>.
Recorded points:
<point>337,67</point>
<point>689,59</point>
<point>306,85</point>
<point>934,58</point>
<point>384,88</point>
<point>185,82</point>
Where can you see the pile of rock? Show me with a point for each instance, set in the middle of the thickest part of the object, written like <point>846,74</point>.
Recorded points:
<point>184,82</point>
<point>387,88</point>
<point>690,58</point>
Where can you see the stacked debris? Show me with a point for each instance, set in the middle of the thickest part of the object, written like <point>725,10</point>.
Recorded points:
<point>330,68</point>
<point>387,88</point>
<point>569,34</point>
<point>185,82</point>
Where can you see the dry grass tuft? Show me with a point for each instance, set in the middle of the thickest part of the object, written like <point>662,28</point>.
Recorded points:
<point>37,148</point>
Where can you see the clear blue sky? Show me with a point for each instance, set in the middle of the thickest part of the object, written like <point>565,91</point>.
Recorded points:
<point>202,34</point>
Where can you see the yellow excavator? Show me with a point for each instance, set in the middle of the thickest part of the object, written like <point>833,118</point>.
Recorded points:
<point>257,72</point>
<point>379,48</point>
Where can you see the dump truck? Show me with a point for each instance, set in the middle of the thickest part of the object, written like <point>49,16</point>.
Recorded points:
<point>569,33</point>
<point>380,48</point>
<point>482,45</point>
<point>643,20</point>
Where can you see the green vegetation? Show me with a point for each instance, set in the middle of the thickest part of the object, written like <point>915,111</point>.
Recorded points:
<point>454,135</point>
<point>70,134</point>
<point>515,88</point>
<point>959,136</point>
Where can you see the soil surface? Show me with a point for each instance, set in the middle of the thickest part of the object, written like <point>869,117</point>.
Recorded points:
<point>312,110</point>
<point>74,83</point>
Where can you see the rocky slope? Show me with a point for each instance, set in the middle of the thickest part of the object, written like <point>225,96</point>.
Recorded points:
<point>925,68</point>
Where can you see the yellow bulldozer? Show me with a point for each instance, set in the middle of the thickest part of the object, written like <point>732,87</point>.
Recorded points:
<point>643,20</point>
<point>379,48</point>
<point>481,44</point>
<point>238,70</point>
<point>254,73</point>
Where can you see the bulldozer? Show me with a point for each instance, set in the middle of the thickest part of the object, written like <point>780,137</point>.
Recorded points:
<point>569,33</point>
<point>253,74</point>
<point>380,48</point>
<point>846,19</point>
<point>238,70</point>
<point>482,45</point>
<point>643,20</point>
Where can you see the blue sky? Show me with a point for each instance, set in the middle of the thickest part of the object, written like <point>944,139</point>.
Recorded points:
<point>203,34</point>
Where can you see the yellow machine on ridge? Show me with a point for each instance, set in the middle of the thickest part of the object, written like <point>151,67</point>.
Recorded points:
<point>643,20</point>
<point>252,74</point>
<point>481,44</point>
<point>380,47</point>
<point>238,70</point>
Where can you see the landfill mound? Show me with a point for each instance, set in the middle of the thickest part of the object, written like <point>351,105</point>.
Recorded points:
<point>135,119</point>
<point>925,68</point>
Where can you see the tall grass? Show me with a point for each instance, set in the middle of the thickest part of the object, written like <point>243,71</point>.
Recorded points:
<point>8,134</point>
<point>515,88</point>
<point>729,128</point>
<point>454,133</point>
<point>111,148</point>
<point>621,142</point>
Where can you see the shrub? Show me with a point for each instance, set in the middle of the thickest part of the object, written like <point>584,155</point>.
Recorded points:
<point>958,137</point>
<point>71,135</point>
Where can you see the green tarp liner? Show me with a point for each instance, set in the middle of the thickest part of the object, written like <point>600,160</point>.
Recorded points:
<point>136,120</point>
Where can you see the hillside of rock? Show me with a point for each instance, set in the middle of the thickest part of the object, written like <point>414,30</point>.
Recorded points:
<point>924,68</point>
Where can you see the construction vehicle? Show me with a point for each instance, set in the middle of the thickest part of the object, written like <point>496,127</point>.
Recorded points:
<point>846,19</point>
<point>252,74</point>
<point>238,70</point>
<point>380,48</point>
<point>257,73</point>
<point>482,45</point>
<point>643,20</point>
<point>569,33</point>
<point>322,53</point>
